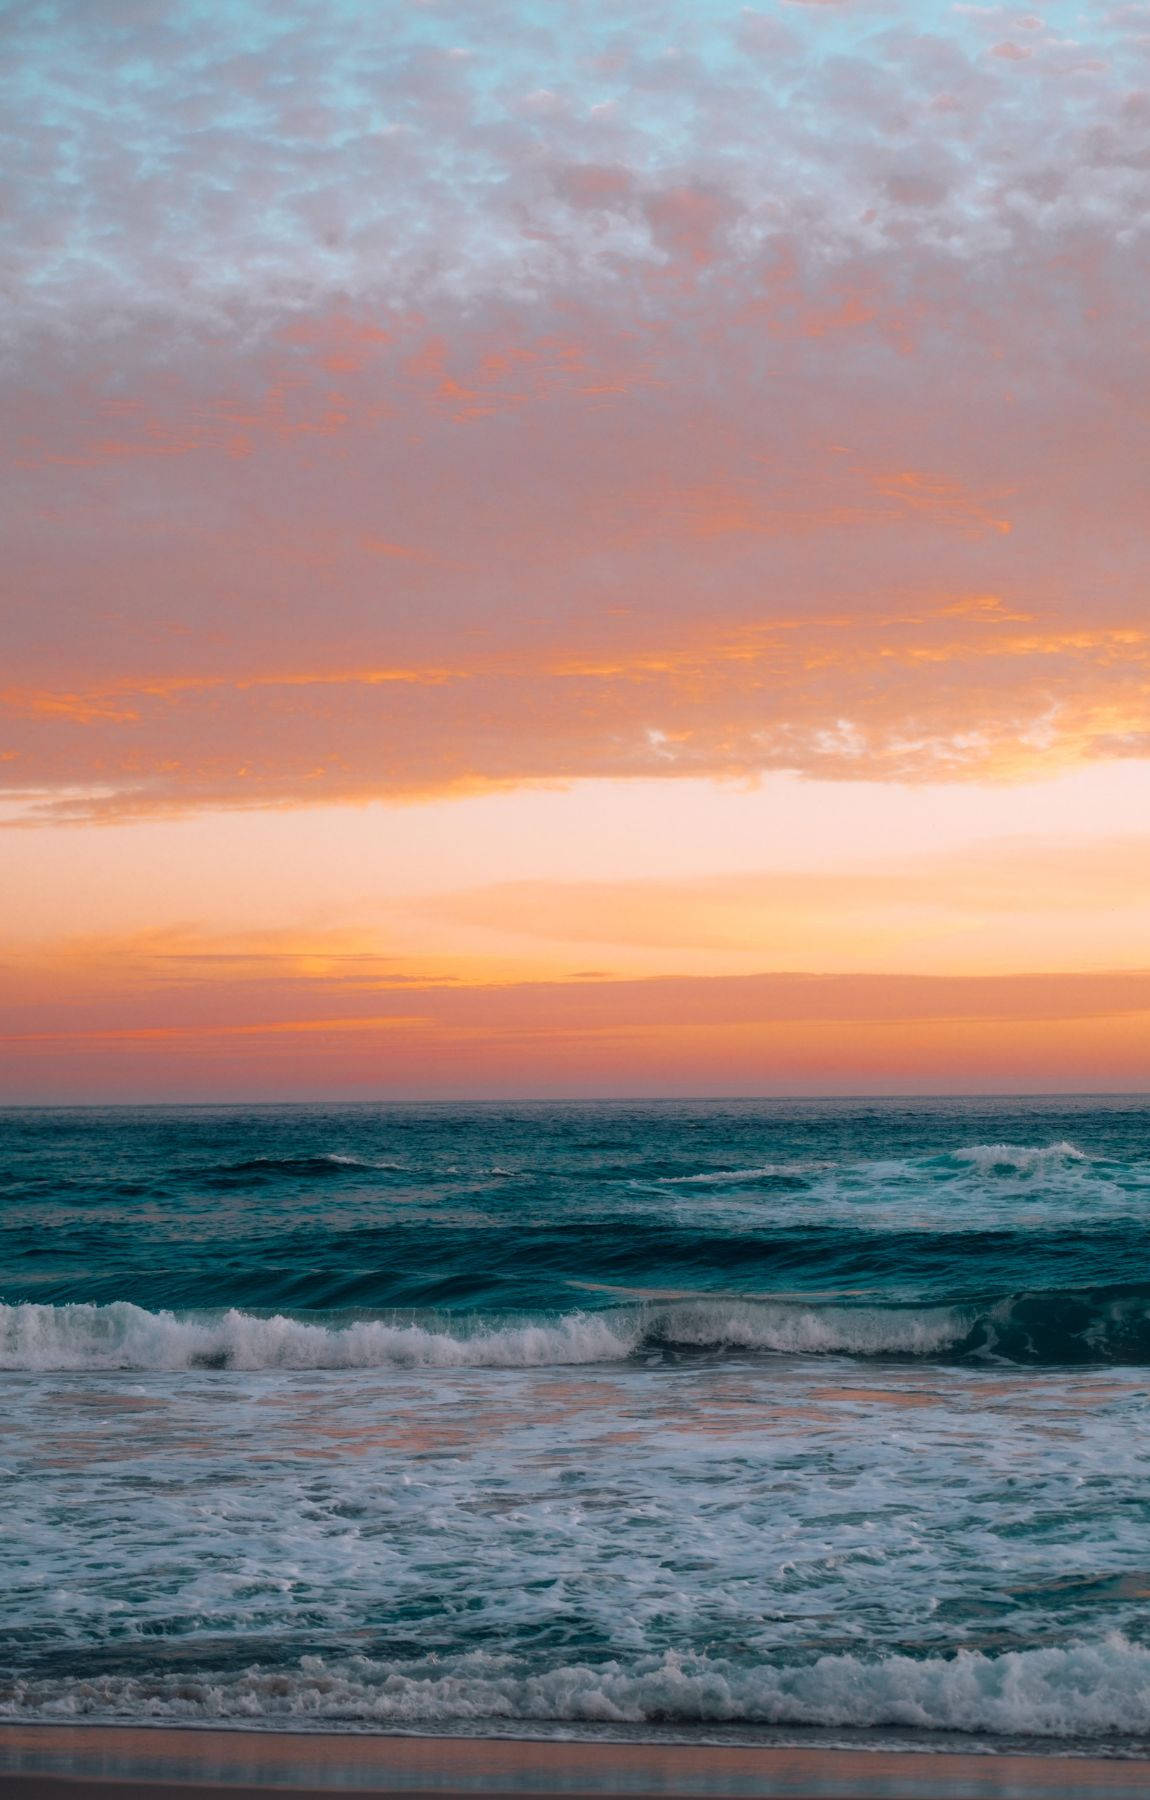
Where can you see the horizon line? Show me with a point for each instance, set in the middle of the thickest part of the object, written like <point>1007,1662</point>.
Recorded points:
<point>1052,1094</point>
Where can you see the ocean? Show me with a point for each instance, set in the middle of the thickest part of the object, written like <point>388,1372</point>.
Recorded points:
<point>741,1421</point>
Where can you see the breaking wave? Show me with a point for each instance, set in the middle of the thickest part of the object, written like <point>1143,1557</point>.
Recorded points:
<point>1019,1159</point>
<point>1088,1326</point>
<point>1084,1691</point>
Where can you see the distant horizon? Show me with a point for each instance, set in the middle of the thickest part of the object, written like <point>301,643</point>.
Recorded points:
<point>987,1096</point>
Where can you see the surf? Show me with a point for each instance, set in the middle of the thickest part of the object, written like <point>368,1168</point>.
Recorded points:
<point>1065,1327</point>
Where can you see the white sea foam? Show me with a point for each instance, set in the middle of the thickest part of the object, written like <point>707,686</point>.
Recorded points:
<point>940,1191</point>
<point>123,1336</point>
<point>1019,1159</point>
<point>812,1330</point>
<point>1085,1691</point>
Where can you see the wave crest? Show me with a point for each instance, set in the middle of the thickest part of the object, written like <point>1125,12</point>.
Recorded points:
<point>1065,1327</point>
<point>1019,1159</point>
<point>123,1336</point>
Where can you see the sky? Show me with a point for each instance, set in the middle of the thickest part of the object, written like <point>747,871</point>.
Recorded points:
<point>573,549</point>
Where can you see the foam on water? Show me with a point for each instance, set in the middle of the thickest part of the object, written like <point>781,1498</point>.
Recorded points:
<point>805,1541</point>
<point>1079,1693</point>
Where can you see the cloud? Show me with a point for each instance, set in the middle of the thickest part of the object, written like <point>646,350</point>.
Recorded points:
<point>451,396</point>
<point>234,165</point>
<point>953,687</point>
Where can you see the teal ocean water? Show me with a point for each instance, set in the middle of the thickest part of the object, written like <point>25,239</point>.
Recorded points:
<point>717,1419</point>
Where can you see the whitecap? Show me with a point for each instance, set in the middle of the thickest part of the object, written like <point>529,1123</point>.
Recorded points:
<point>1080,1691</point>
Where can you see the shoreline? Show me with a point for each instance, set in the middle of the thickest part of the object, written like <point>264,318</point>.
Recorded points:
<point>136,1762</point>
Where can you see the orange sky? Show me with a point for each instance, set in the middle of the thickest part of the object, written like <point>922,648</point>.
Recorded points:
<point>610,937</point>
<point>588,555</point>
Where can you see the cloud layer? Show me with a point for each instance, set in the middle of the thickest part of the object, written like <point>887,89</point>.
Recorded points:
<point>423,397</point>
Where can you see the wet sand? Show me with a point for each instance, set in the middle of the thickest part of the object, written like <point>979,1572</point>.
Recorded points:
<point>49,1762</point>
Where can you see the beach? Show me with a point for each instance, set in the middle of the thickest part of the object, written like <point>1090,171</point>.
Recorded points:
<point>70,1762</point>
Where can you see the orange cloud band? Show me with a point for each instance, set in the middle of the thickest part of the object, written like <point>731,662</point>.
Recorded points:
<point>953,689</point>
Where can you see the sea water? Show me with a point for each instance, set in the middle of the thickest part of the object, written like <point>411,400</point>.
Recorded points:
<point>717,1419</point>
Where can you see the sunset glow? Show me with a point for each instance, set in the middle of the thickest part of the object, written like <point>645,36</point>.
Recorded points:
<point>575,551</point>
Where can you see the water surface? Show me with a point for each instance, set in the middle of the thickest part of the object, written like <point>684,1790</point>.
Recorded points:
<point>718,1418</point>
